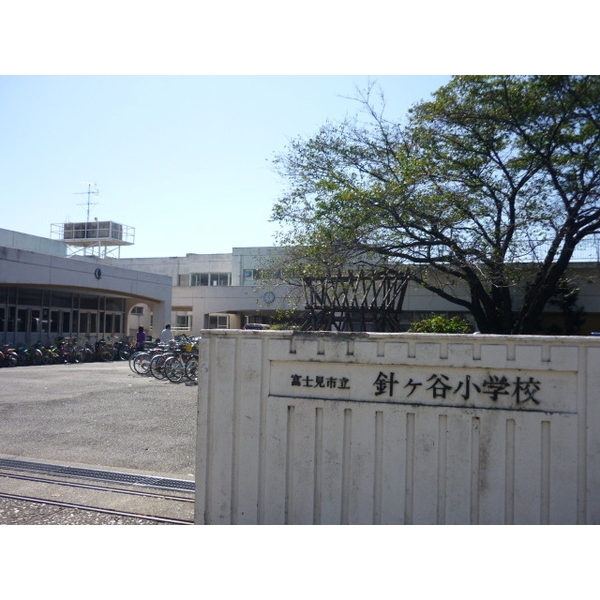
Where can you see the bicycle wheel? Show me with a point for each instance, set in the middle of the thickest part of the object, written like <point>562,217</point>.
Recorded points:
<point>23,359</point>
<point>106,354</point>
<point>157,364</point>
<point>48,358</point>
<point>11,360</point>
<point>69,353</point>
<point>80,355</point>
<point>36,357</point>
<point>141,363</point>
<point>124,353</point>
<point>174,369</point>
<point>132,358</point>
<point>191,369</point>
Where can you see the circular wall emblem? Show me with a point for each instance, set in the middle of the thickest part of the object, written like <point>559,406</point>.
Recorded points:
<point>269,297</point>
<point>98,273</point>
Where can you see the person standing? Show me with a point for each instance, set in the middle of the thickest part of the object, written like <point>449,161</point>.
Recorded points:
<point>140,338</point>
<point>166,335</point>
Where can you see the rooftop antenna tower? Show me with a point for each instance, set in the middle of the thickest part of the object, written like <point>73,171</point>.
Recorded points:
<point>89,203</point>
<point>100,238</point>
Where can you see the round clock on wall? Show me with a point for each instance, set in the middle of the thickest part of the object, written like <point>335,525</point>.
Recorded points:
<point>269,297</point>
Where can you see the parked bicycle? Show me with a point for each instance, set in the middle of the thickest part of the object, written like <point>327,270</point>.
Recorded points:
<point>182,364</point>
<point>65,350</point>
<point>139,361</point>
<point>175,362</point>
<point>8,356</point>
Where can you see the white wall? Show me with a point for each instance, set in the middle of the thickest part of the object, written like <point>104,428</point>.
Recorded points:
<point>179,265</point>
<point>307,428</point>
<point>205,300</point>
<point>33,243</point>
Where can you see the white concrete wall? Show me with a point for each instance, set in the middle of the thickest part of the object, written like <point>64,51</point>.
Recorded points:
<point>308,428</point>
<point>174,266</point>
<point>22,267</point>
<point>262,257</point>
<point>206,300</point>
<point>33,243</point>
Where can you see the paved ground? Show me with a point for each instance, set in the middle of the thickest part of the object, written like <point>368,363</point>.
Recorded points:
<point>97,415</point>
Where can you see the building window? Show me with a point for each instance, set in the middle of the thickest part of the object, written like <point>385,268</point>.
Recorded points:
<point>206,279</point>
<point>221,279</point>
<point>184,280</point>
<point>65,318</point>
<point>257,319</point>
<point>22,320</point>
<point>199,279</point>
<point>183,321</point>
<point>218,322</point>
<point>55,319</point>
<point>138,310</point>
<point>66,322</point>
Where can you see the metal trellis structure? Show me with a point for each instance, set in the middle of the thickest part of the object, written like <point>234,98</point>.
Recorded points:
<point>367,300</point>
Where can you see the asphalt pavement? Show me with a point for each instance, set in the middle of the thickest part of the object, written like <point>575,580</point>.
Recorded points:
<point>94,415</point>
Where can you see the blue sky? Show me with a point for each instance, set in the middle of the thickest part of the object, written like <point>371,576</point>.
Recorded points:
<point>176,111</point>
<point>184,160</point>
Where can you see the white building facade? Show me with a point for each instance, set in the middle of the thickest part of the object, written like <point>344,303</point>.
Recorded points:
<point>228,291</point>
<point>216,291</point>
<point>46,295</point>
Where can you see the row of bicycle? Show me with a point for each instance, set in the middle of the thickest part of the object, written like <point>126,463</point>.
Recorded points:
<point>176,361</point>
<point>65,350</point>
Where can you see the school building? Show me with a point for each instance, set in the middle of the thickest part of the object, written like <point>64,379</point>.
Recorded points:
<point>47,291</point>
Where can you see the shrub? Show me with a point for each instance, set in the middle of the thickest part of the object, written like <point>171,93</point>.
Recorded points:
<point>441,324</point>
<point>284,326</point>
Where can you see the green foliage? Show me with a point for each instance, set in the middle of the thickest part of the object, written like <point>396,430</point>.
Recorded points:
<point>441,324</point>
<point>284,326</point>
<point>284,320</point>
<point>492,173</point>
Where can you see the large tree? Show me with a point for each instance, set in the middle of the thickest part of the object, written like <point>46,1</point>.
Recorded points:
<point>485,191</point>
